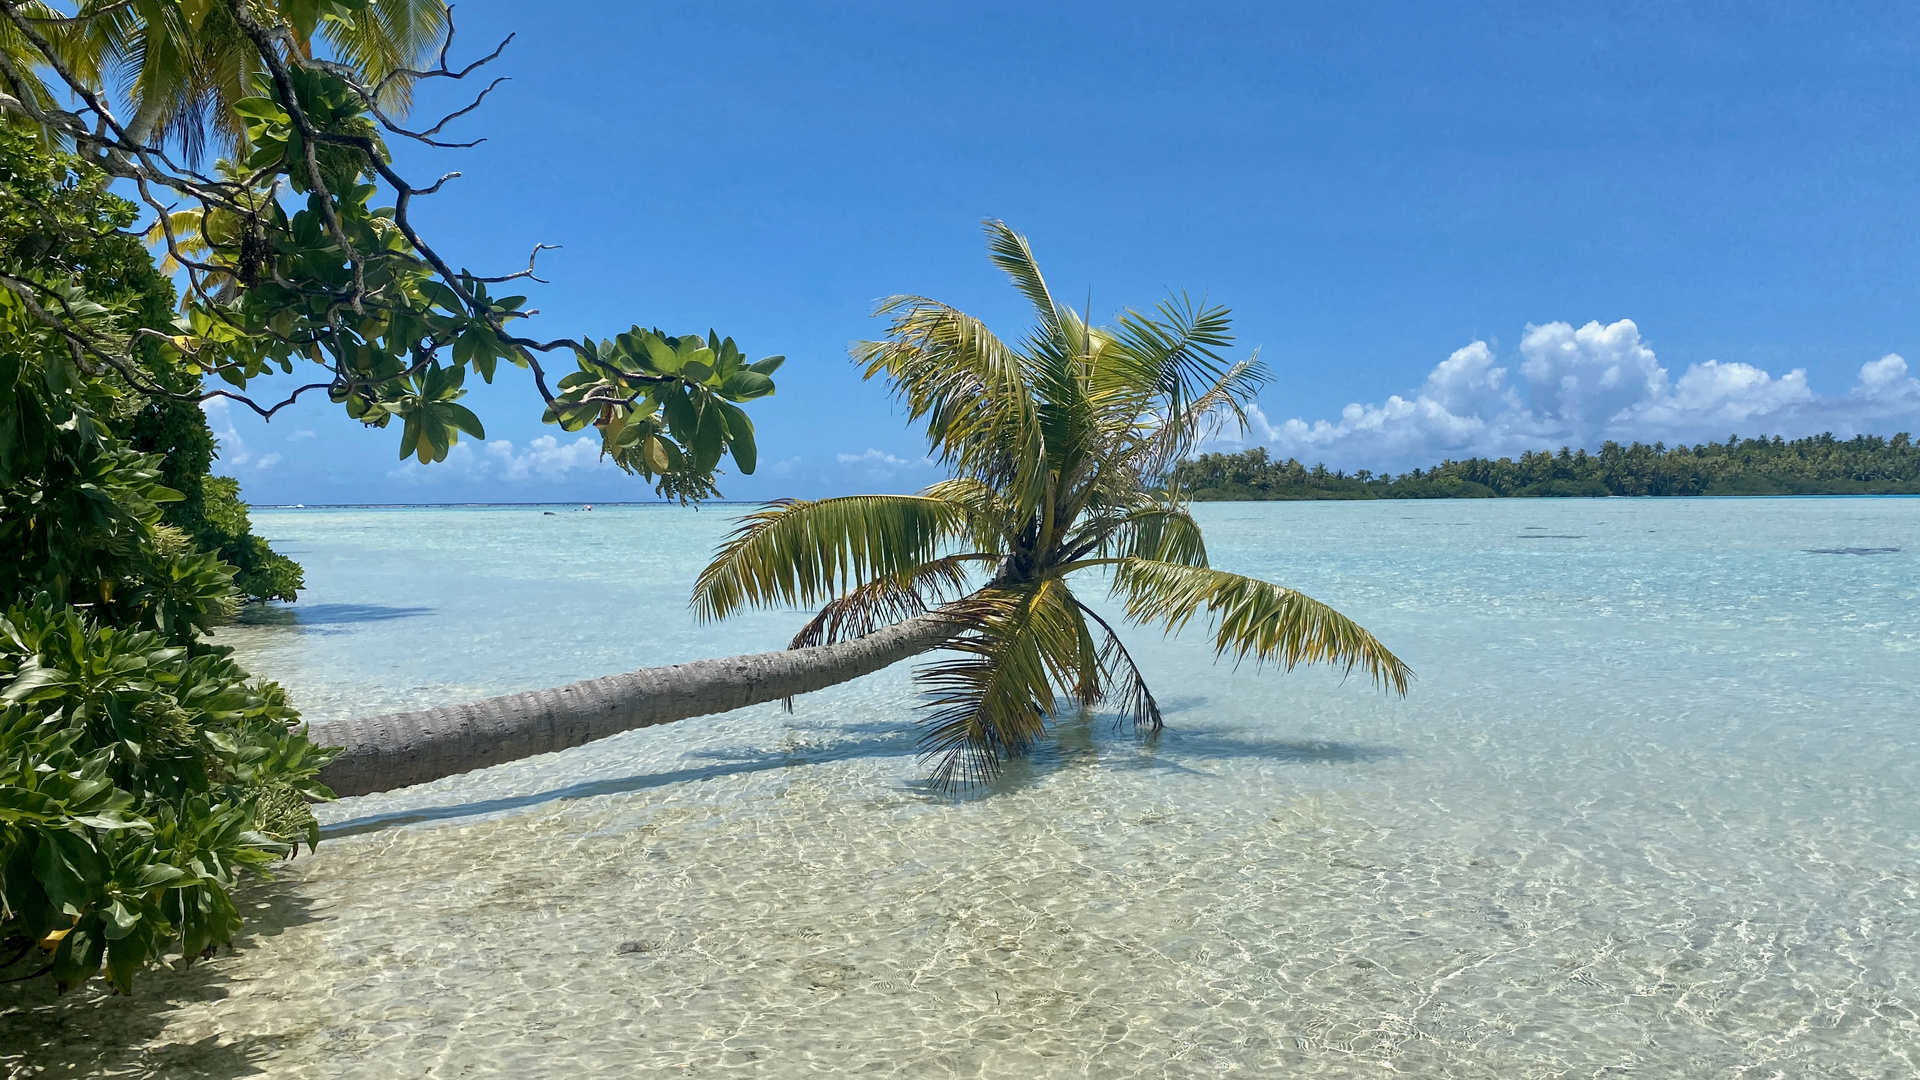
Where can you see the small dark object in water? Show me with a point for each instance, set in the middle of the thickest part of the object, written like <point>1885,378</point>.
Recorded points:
<point>1851,551</point>
<point>1551,536</point>
<point>546,513</point>
<point>628,948</point>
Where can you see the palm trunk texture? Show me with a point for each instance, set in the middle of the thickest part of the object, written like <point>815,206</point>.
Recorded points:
<point>384,752</point>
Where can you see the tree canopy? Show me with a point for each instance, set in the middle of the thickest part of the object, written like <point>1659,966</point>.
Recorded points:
<point>1817,465</point>
<point>291,258</point>
<point>141,770</point>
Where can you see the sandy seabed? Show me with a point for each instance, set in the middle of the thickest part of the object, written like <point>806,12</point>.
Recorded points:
<point>1646,814</point>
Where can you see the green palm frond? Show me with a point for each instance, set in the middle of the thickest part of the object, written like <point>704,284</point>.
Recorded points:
<point>386,37</point>
<point>180,68</point>
<point>25,60</point>
<point>1014,256</point>
<point>988,516</point>
<point>805,553</point>
<point>971,389</point>
<point>1175,353</point>
<point>1058,447</point>
<point>991,703</point>
<point>887,600</point>
<point>1162,533</point>
<point>1123,685</point>
<point>1255,619</point>
<point>1176,432</point>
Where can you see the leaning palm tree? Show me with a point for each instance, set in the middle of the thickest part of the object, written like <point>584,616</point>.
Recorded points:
<point>1057,449</point>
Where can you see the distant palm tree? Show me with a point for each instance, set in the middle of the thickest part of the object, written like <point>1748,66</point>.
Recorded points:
<point>1056,448</point>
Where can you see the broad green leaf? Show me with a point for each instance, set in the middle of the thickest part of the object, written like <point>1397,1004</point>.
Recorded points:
<point>664,359</point>
<point>464,419</point>
<point>740,437</point>
<point>709,439</point>
<point>119,920</point>
<point>682,417</point>
<point>160,876</point>
<point>747,385</point>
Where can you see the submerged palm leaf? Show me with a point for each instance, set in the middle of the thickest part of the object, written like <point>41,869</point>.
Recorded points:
<point>1058,450</point>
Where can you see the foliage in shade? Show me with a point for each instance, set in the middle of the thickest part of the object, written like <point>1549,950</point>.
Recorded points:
<point>209,511</point>
<point>1058,450</point>
<point>141,771</point>
<point>137,780</point>
<point>90,466</point>
<point>1818,465</point>
<point>296,253</point>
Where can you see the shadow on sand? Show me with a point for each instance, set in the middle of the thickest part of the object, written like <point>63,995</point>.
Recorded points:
<point>92,1032</point>
<point>1079,742</point>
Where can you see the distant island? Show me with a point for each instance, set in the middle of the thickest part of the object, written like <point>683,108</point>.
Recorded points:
<point>1819,465</point>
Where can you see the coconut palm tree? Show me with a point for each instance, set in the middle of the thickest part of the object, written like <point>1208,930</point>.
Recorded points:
<point>1056,449</point>
<point>181,66</point>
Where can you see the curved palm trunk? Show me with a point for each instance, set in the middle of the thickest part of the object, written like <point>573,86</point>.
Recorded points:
<point>140,128</point>
<point>383,752</point>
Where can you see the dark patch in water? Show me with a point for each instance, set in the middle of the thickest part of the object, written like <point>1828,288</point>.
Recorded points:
<point>1551,536</point>
<point>1852,551</point>
<point>324,614</point>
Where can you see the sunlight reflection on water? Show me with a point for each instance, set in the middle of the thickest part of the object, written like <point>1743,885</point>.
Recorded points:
<point>1649,807</point>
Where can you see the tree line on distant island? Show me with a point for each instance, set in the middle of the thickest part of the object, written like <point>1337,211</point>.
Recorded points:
<point>1817,465</point>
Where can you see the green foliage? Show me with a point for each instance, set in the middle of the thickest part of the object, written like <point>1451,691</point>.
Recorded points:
<point>667,408</point>
<point>140,772</point>
<point>675,430</point>
<point>209,510</point>
<point>82,508</point>
<point>1818,465</point>
<point>1058,451</point>
<point>136,782</point>
<point>184,66</point>
<point>289,258</point>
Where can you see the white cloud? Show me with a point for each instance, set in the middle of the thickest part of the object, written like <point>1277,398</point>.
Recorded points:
<point>877,458</point>
<point>545,459</point>
<point>302,435</point>
<point>877,465</point>
<point>1589,375</point>
<point>1886,381</point>
<point>1579,387</point>
<point>234,456</point>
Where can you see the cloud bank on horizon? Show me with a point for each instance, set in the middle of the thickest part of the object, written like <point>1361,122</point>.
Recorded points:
<point>1580,387</point>
<point>1564,386</point>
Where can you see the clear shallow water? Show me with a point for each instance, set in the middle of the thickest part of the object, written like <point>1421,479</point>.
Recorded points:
<point>1649,811</point>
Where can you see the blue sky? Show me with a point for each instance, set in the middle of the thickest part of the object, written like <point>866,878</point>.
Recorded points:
<point>1450,228</point>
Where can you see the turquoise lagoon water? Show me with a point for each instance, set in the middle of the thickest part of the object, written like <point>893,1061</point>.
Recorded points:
<point>1650,810</point>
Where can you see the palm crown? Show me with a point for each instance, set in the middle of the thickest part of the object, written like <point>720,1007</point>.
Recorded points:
<point>1056,449</point>
<point>183,65</point>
